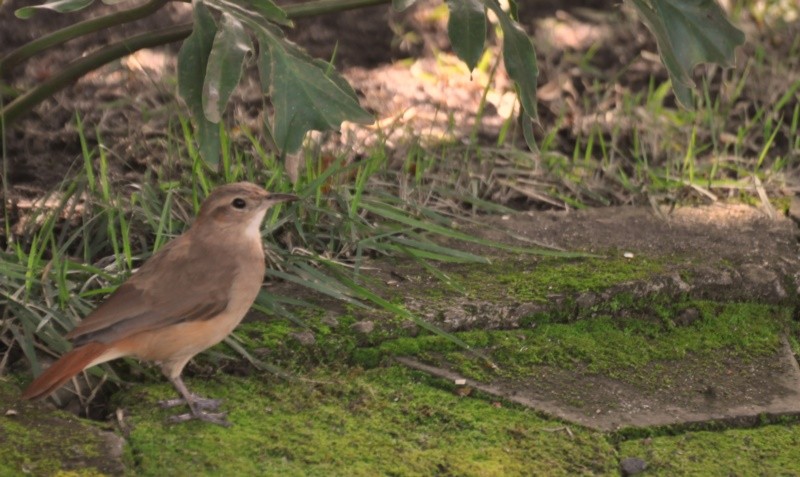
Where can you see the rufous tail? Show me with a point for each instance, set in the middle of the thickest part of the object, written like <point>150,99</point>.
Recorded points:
<point>64,369</point>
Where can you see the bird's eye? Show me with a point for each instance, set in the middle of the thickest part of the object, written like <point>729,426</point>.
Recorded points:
<point>239,203</point>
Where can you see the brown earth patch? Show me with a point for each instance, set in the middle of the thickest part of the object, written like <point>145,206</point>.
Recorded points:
<point>132,104</point>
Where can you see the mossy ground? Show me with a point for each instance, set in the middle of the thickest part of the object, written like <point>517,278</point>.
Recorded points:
<point>384,421</point>
<point>534,281</point>
<point>392,421</point>
<point>351,412</point>
<point>769,450</point>
<point>613,346</point>
<point>39,441</point>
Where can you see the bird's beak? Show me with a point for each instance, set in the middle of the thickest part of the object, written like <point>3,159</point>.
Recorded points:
<point>282,198</point>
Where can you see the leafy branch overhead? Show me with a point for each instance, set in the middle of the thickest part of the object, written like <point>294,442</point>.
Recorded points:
<point>689,32</point>
<point>308,94</point>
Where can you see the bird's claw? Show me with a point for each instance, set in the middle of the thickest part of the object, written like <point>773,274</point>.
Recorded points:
<point>219,419</point>
<point>200,403</point>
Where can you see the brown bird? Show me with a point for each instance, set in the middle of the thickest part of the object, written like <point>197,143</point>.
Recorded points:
<point>186,298</point>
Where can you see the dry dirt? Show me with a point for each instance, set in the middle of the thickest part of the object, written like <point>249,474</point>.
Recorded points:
<point>131,104</point>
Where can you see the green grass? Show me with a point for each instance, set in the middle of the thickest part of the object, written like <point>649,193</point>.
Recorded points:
<point>633,145</point>
<point>95,234</point>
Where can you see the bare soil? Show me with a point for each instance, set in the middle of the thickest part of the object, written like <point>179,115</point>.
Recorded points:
<point>133,107</point>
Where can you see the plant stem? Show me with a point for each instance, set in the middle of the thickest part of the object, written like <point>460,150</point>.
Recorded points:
<point>74,31</point>
<point>321,7</point>
<point>80,67</point>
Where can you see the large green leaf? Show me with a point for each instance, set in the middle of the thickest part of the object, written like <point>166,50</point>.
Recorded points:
<point>253,10</point>
<point>400,5</point>
<point>269,10</point>
<point>689,32</point>
<point>304,93</point>
<point>519,58</point>
<point>231,45</point>
<point>61,6</point>
<point>192,64</point>
<point>467,30</point>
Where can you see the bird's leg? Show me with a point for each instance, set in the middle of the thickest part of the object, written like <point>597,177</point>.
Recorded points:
<point>197,409</point>
<point>201,403</point>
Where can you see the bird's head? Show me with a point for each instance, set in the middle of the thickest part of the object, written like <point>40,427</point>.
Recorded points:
<point>239,205</point>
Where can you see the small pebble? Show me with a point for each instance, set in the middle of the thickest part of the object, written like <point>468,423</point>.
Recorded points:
<point>687,317</point>
<point>330,320</point>
<point>632,466</point>
<point>305,338</point>
<point>364,327</point>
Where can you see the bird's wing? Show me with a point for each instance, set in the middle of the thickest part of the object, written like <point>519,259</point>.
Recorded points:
<point>174,285</point>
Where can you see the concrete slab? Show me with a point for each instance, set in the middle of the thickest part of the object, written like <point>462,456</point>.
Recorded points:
<point>768,387</point>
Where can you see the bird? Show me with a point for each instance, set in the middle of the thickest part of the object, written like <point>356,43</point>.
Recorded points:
<point>185,298</point>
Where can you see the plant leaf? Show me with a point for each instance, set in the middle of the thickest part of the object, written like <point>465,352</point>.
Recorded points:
<point>527,133</point>
<point>400,5</point>
<point>60,6</point>
<point>519,58</point>
<point>689,32</point>
<point>231,45</point>
<point>307,94</point>
<point>269,10</point>
<point>192,64</point>
<point>253,10</point>
<point>466,28</point>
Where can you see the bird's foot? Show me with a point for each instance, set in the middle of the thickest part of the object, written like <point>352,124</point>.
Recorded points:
<point>219,419</point>
<point>197,405</point>
<point>200,403</point>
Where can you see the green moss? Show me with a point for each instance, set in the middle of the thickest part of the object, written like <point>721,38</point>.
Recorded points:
<point>335,343</point>
<point>769,450</point>
<point>79,473</point>
<point>637,322</point>
<point>617,347</point>
<point>43,442</point>
<point>386,421</point>
<point>531,281</point>
<point>274,336</point>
